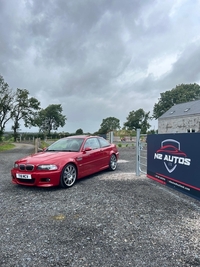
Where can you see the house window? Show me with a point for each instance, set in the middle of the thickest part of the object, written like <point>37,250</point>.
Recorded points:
<point>191,130</point>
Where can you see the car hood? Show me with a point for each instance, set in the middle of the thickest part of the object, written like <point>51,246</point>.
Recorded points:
<point>47,157</point>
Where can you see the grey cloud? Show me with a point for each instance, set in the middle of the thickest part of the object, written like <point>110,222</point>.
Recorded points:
<point>93,57</point>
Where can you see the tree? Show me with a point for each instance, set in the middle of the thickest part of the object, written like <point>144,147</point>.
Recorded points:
<point>180,94</point>
<point>24,108</point>
<point>6,104</point>
<point>138,120</point>
<point>79,131</point>
<point>50,118</point>
<point>109,124</point>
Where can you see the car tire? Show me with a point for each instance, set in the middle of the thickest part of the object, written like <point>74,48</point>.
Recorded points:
<point>68,176</point>
<point>113,162</point>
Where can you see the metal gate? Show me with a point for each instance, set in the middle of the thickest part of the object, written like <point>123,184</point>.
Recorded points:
<point>141,153</point>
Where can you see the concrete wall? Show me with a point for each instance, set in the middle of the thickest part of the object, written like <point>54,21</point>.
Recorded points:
<point>179,124</point>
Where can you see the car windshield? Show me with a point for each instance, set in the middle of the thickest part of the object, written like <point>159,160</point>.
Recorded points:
<point>66,144</point>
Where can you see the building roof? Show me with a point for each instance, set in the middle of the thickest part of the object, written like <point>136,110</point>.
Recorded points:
<point>183,109</point>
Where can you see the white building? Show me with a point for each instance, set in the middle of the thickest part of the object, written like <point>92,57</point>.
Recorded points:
<point>181,118</point>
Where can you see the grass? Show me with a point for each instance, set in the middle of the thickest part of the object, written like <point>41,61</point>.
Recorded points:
<point>6,146</point>
<point>43,144</point>
<point>125,145</point>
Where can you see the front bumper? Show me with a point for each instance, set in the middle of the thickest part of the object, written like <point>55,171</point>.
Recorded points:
<point>41,179</point>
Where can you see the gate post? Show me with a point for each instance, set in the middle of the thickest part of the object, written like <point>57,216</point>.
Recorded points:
<point>138,152</point>
<point>110,137</point>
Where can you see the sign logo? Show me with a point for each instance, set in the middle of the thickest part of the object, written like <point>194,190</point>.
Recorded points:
<point>171,155</point>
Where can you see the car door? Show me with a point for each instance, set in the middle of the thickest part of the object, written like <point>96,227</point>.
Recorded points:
<point>91,158</point>
<point>105,151</point>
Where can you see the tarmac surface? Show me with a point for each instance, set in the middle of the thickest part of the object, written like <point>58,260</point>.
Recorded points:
<point>109,219</point>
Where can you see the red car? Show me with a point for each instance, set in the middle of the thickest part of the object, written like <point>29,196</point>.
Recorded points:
<point>65,161</point>
<point>169,149</point>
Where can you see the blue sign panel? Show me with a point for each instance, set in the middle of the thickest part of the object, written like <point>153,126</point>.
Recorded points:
<point>174,160</point>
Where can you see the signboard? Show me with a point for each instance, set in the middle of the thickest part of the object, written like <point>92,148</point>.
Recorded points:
<point>174,160</point>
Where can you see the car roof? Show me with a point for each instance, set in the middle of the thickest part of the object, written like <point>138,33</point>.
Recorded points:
<point>77,136</point>
<point>81,136</point>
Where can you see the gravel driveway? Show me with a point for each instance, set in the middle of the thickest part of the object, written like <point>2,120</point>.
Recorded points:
<point>109,219</point>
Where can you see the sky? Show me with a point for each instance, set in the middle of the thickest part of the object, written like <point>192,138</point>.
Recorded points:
<point>99,58</point>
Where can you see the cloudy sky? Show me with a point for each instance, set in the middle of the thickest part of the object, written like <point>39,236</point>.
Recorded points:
<point>99,58</point>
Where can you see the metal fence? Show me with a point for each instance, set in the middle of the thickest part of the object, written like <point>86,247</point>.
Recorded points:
<point>141,153</point>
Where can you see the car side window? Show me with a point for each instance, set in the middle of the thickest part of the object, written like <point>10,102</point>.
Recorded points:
<point>104,142</point>
<point>93,143</point>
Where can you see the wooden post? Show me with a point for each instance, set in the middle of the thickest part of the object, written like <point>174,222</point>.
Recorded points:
<point>36,145</point>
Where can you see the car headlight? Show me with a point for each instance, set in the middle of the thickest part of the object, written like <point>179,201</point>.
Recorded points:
<point>47,167</point>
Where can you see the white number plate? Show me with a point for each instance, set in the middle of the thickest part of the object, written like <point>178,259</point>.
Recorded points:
<point>23,176</point>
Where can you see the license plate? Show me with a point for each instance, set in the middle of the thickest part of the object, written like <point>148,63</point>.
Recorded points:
<point>23,176</point>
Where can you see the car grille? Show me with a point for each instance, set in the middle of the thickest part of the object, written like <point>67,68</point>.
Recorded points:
<point>27,167</point>
<point>24,181</point>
